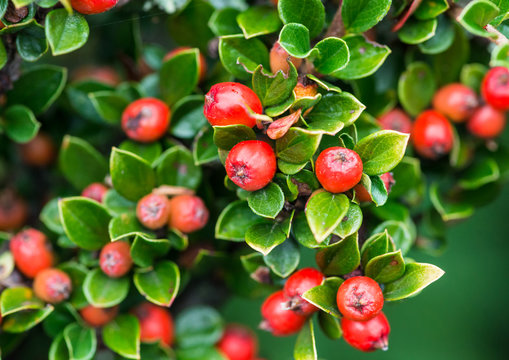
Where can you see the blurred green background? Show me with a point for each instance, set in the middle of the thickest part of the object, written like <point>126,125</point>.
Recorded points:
<point>465,315</point>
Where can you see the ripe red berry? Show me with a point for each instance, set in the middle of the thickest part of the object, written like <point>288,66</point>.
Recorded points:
<point>98,317</point>
<point>13,211</point>
<point>52,285</point>
<point>40,151</point>
<point>103,74</point>
<point>91,7</point>
<point>367,335</point>
<point>115,259</point>
<point>278,318</point>
<point>495,88</point>
<point>455,101</point>
<point>238,343</point>
<point>32,252</point>
<point>338,169</point>
<point>297,284</point>
<point>363,195</point>
<point>188,213</point>
<point>202,63</point>
<point>95,191</point>
<point>251,164</point>
<point>146,120</point>
<point>153,211</point>
<point>279,57</point>
<point>228,103</point>
<point>360,298</point>
<point>432,135</point>
<point>156,323</point>
<point>487,122</point>
<point>396,120</point>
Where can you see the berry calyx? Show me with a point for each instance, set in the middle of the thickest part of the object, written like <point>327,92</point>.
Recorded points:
<point>368,335</point>
<point>153,211</point>
<point>396,120</point>
<point>432,135</point>
<point>156,323</point>
<point>251,164</point>
<point>360,298</point>
<point>52,285</point>
<point>115,259</point>
<point>456,101</point>
<point>297,284</point>
<point>278,318</point>
<point>238,343</point>
<point>98,317</point>
<point>40,151</point>
<point>362,194</point>
<point>31,251</point>
<point>279,57</point>
<point>230,103</point>
<point>338,169</point>
<point>495,88</point>
<point>188,213</point>
<point>486,122</point>
<point>91,7</point>
<point>146,120</point>
<point>95,191</point>
<point>202,63</point>
<point>13,211</point>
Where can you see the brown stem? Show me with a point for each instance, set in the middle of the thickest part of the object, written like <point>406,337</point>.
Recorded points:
<point>336,28</point>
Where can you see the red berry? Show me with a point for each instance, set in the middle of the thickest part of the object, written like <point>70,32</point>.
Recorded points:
<point>153,211</point>
<point>456,101</point>
<point>238,343</point>
<point>495,88</point>
<point>188,213</point>
<point>40,151</point>
<point>146,120</point>
<point>13,211</point>
<point>297,284</point>
<point>251,164</point>
<point>52,285</point>
<point>91,7</point>
<point>95,191</point>
<point>115,259</point>
<point>487,122</point>
<point>156,323</point>
<point>98,317</point>
<point>338,169</point>
<point>228,103</point>
<point>363,195</point>
<point>278,318</point>
<point>279,57</point>
<point>432,135</point>
<point>32,252</point>
<point>367,335</point>
<point>360,298</point>
<point>202,63</point>
<point>396,120</point>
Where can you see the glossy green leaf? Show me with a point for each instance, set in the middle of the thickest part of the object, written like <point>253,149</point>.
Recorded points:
<point>22,321</point>
<point>449,211</point>
<point>81,341</point>
<point>416,277</point>
<point>429,9</point>
<point>224,22</point>
<point>175,167</point>
<point>376,189</point>
<point>376,245</point>
<point>324,211</point>
<point>400,234</point>
<point>226,137</point>
<point>187,117</point>
<point>258,20</point>
<point>330,325</point>
<point>150,152</point>
<point>122,335</point>
<point>104,291</point>
<point>50,217</point>
<point>332,54</point>
<point>447,64</point>
<point>235,220</point>
<point>204,149</point>
<point>417,31</point>
<point>297,146</point>
<point>324,296</point>
<point>236,52</point>
<point>144,250</point>
<point>117,204</point>
<point>476,15</point>
<point>386,268</point>
<point>179,75</point>
<point>274,89</point>
<point>199,353</point>
<point>303,234</point>
<point>77,272</point>
<point>294,38</point>
<point>198,326</point>
<point>58,349</point>
<point>160,284</point>
<point>340,258</point>
<point>31,43</point>
<point>17,299</point>
<point>416,88</point>
<point>350,223</point>
<point>267,202</point>
<point>500,56</point>
<point>305,347</point>
<point>361,15</point>
<point>310,13</point>
<point>442,40</point>
<point>481,173</point>
<point>20,123</point>
<point>283,259</point>
<point>264,237</point>
<point>65,32</point>
<point>109,105</point>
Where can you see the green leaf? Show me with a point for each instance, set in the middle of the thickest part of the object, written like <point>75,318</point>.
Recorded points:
<point>324,296</point>
<point>31,43</point>
<point>6,265</point>
<point>264,237</point>
<point>294,38</point>
<point>187,117</point>
<point>429,9</point>
<point>289,168</point>
<point>447,65</point>
<point>417,31</point>
<point>258,20</point>
<point>330,325</point>
<point>204,149</point>
<point>400,234</point>
<point>226,137</point>
<point>50,217</point>
<point>310,13</point>
<point>58,349</point>
<point>103,291</point>
<point>408,177</point>
<point>116,204</point>
<point>38,88</point>
<point>81,341</point>
<point>449,211</point>
<point>144,250</point>
<point>283,259</point>
<point>303,234</point>
<point>65,32</point>
<point>416,88</point>
<point>109,105</point>
<point>361,15</point>
<point>179,75</point>
<point>160,284</point>
<point>481,173</point>
<point>340,258</point>
<point>198,326</point>
<point>386,268</point>
<point>350,223</point>
<point>376,245</point>
<point>267,202</point>
<point>176,167</point>
<point>375,187</point>
<point>77,272</point>
<point>366,57</point>
<point>274,89</point>
<point>237,54</point>
<point>199,353</point>
<point>417,277</point>
<point>500,56</point>
<point>20,123</point>
<point>124,226</point>
<point>150,152</point>
<point>305,347</point>
<point>224,22</point>
<point>85,222</point>
<point>23,321</point>
<point>476,15</point>
<point>17,299</point>
<point>235,220</point>
<point>380,152</point>
<point>132,176</point>
<point>80,163</point>
<point>324,211</point>
<point>122,335</point>
<point>331,55</point>
<point>297,146</point>
<point>444,36</point>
